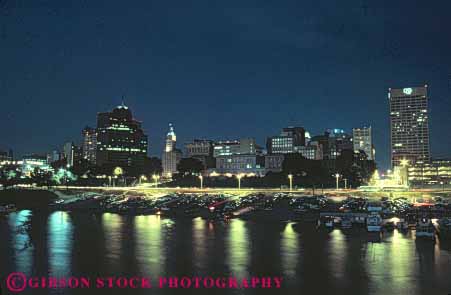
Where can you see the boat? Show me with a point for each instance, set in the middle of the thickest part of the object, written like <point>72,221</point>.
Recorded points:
<point>444,227</point>
<point>425,228</point>
<point>374,207</point>
<point>8,209</point>
<point>373,222</point>
<point>346,223</point>
<point>329,222</point>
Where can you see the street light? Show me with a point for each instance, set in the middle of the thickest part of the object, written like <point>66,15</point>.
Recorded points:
<point>142,177</point>
<point>290,177</point>
<point>337,176</point>
<point>201,181</point>
<point>239,176</point>
<point>346,183</point>
<point>156,177</point>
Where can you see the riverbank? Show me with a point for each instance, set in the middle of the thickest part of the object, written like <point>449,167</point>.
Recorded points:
<point>27,198</point>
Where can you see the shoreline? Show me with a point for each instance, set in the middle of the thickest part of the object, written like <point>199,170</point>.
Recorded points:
<point>247,205</point>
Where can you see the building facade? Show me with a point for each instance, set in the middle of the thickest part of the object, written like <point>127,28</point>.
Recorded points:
<point>274,162</point>
<point>241,164</point>
<point>202,150</point>
<point>199,147</point>
<point>244,146</point>
<point>286,143</point>
<point>409,125</point>
<point>32,163</point>
<point>171,155</point>
<point>438,171</point>
<point>89,144</point>
<point>363,141</point>
<point>121,141</point>
<point>311,152</point>
<point>332,143</point>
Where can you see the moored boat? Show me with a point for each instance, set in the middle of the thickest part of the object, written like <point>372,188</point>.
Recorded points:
<point>444,227</point>
<point>373,222</point>
<point>329,222</point>
<point>346,223</point>
<point>425,228</point>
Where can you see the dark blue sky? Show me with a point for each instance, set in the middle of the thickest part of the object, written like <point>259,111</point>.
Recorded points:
<point>219,69</point>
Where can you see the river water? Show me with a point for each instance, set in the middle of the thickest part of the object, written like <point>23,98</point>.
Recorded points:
<point>310,261</point>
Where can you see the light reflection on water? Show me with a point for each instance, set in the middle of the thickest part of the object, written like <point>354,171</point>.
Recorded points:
<point>308,259</point>
<point>237,248</point>
<point>20,242</point>
<point>60,238</point>
<point>150,251</point>
<point>112,225</point>
<point>289,250</point>
<point>337,253</point>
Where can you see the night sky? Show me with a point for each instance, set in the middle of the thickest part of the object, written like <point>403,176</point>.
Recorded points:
<point>219,69</point>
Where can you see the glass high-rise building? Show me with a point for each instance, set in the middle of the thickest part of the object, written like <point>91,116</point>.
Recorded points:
<point>409,128</point>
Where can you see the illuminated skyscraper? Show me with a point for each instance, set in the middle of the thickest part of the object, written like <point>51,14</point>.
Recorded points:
<point>121,142</point>
<point>171,139</point>
<point>409,125</point>
<point>171,155</point>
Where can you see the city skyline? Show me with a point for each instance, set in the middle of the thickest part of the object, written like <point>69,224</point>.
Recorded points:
<point>186,138</point>
<point>318,66</point>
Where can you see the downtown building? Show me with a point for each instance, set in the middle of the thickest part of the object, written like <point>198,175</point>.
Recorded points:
<point>34,163</point>
<point>171,155</point>
<point>437,172</point>
<point>289,140</point>
<point>244,146</point>
<point>89,147</point>
<point>202,150</point>
<point>332,143</point>
<point>363,141</point>
<point>121,141</point>
<point>409,125</point>
<point>72,153</point>
<point>242,156</point>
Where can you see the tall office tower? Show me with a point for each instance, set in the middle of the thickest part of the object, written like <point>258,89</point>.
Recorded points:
<point>89,144</point>
<point>409,125</point>
<point>363,141</point>
<point>171,155</point>
<point>121,142</point>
